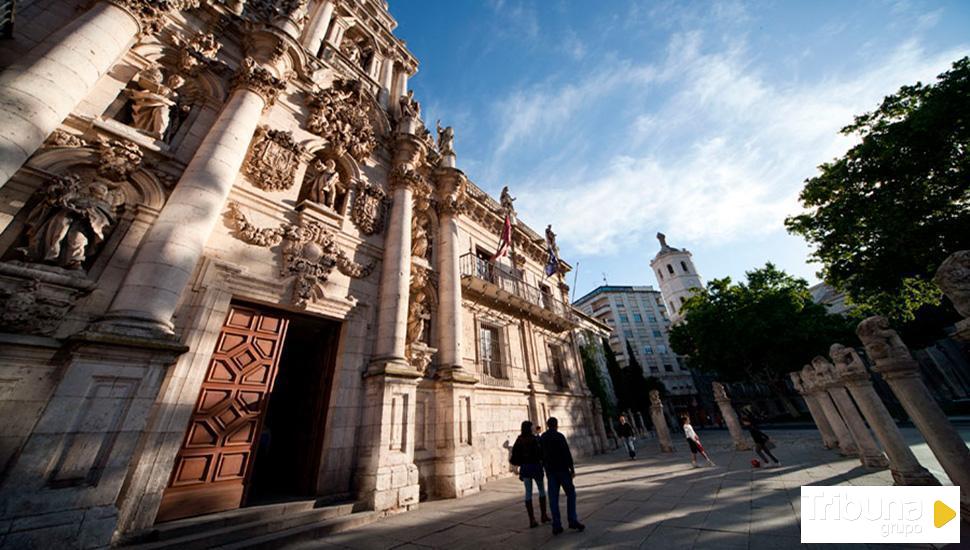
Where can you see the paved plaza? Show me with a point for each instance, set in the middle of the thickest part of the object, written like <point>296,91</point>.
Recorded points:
<point>657,501</point>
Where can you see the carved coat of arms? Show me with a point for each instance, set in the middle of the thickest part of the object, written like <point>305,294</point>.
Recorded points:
<point>341,115</point>
<point>370,205</point>
<point>273,159</point>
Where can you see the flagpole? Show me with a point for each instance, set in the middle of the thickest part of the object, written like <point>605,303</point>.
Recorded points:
<point>575,277</point>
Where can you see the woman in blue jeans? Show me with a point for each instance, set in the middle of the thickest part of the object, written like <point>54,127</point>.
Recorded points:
<point>527,455</point>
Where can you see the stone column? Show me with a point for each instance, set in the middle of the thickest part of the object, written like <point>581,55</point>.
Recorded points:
<point>387,82</point>
<point>730,417</point>
<point>387,478</point>
<point>40,90</point>
<point>451,185</point>
<point>824,428</point>
<point>659,422</point>
<point>905,468</point>
<point>898,368</point>
<point>869,453</point>
<point>317,30</point>
<point>169,252</point>
<point>953,278</point>
<point>847,446</point>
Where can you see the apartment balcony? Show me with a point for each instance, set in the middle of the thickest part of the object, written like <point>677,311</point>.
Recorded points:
<point>498,288</point>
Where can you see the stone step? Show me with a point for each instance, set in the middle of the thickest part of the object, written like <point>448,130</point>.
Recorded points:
<point>303,533</point>
<point>247,523</point>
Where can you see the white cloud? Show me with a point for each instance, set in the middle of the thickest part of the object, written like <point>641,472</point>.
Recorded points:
<point>734,150</point>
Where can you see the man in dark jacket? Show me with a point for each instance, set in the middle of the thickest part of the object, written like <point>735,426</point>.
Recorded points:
<point>629,439</point>
<point>558,463</point>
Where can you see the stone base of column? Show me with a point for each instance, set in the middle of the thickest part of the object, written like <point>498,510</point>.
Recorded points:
<point>387,478</point>
<point>71,469</point>
<point>848,449</point>
<point>663,433</point>
<point>458,464</point>
<point>122,323</point>
<point>874,460</point>
<point>916,477</point>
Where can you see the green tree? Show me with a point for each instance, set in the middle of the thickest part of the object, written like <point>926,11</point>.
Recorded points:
<point>636,385</point>
<point>886,214</point>
<point>616,376</point>
<point>759,330</point>
<point>594,381</point>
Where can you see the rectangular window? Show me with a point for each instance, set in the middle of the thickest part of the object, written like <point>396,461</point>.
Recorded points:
<point>657,334</point>
<point>557,365</point>
<point>662,349</point>
<point>637,318</point>
<point>648,350</point>
<point>490,351</point>
<point>624,318</point>
<point>652,318</point>
<point>653,368</point>
<point>628,334</point>
<point>669,368</point>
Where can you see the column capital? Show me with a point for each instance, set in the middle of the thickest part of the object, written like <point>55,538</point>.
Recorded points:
<point>848,365</point>
<point>150,13</point>
<point>452,188</point>
<point>256,78</point>
<point>887,350</point>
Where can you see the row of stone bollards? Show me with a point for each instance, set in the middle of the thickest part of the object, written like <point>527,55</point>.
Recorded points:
<point>826,386</point>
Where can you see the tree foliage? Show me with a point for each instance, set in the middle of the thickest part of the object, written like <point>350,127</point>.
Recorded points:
<point>758,330</point>
<point>637,389</point>
<point>597,386</point>
<point>885,215</point>
<point>616,376</point>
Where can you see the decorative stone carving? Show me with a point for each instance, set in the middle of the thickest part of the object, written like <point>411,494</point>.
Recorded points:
<point>351,50</point>
<point>258,79</point>
<point>410,108</point>
<point>720,392</point>
<point>71,221</point>
<point>370,207</point>
<point>953,278</point>
<point>418,308</point>
<point>420,235</point>
<point>270,10</point>
<point>730,416</point>
<point>882,343</point>
<point>847,362</point>
<point>655,399</point>
<point>196,52</point>
<point>151,13</point>
<point>506,200</point>
<point>60,138</point>
<point>455,200</point>
<point>309,253</point>
<point>273,159</point>
<point>118,158</point>
<point>660,422</point>
<point>446,140</point>
<point>324,186</point>
<point>33,301</point>
<point>551,240</point>
<point>341,115</point>
<point>151,107</point>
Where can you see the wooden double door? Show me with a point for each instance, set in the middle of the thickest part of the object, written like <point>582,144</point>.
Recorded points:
<point>214,466</point>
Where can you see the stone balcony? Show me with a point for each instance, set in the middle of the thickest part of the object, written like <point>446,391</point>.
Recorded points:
<point>498,288</point>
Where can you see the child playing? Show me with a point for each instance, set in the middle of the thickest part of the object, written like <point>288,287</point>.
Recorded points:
<point>694,443</point>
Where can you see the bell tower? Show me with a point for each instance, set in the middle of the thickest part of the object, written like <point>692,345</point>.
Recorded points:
<point>676,276</point>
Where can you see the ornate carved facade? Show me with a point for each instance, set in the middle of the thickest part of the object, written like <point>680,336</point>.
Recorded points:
<point>224,237</point>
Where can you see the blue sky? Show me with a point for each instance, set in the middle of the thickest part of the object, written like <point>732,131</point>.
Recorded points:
<point>616,119</point>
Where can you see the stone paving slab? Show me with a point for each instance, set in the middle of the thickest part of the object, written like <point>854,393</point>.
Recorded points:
<point>657,501</point>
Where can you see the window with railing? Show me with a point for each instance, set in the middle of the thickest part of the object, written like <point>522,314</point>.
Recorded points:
<point>510,280</point>
<point>490,351</point>
<point>557,365</point>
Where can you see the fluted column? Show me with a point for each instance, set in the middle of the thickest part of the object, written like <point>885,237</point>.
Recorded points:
<point>730,417</point>
<point>169,252</point>
<point>660,423</point>
<point>317,30</point>
<point>391,342</point>
<point>847,445</point>
<point>824,428</point>
<point>898,368</point>
<point>40,90</point>
<point>451,200</point>
<point>869,453</point>
<point>905,468</point>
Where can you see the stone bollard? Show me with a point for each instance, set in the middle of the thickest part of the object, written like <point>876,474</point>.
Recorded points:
<point>659,422</point>
<point>847,446</point>
<point>869,453</point>
<point>730,417</point>
<point>828,436</point>
<point>953,278</point>
<point>898,368</point>
<point>905,468</point>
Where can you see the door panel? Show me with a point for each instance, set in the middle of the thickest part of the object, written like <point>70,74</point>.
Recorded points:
<point>215,461</point>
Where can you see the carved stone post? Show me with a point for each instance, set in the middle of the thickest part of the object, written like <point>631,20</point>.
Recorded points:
<point>660,423</point>
<point>41,89</point>
<point>824,428</point>
<point>953,278</point>
<point>641,425</point>
<point>730,417</point>
<point>847,445</point>
<point>898,368</point>
<point>869,453</point>
<point>905,468</point>
<point>169,252</point>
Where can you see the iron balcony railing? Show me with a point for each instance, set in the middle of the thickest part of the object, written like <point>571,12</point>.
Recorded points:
<point>473,266</point>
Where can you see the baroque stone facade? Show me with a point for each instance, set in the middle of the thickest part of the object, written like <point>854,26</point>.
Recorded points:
<point>235,266</point>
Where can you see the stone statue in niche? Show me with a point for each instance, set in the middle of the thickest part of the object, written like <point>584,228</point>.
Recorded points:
<point>446,139</point>
<point>420,242</point>
<point>325,185</point>
<point>351,50</point>
<point>410,108</point>
<point>152,105</point>
<point>71,221</point>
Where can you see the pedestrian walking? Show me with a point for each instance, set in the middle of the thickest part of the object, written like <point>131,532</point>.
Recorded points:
<point>694,443</point>
<point>629,439</point>
<point>558,463</point>
<point>762,443</point>
<point>527,456</point>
